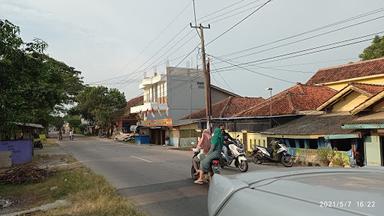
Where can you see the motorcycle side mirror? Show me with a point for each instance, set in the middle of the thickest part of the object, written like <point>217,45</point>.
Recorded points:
<point>237,136</point>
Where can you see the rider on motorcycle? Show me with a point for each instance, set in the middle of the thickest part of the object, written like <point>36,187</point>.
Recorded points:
<point>227,139</point>
<point>214,153</point>
<point>203,146</point>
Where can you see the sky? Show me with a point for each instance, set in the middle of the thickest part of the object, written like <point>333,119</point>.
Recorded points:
<point>117,42</point>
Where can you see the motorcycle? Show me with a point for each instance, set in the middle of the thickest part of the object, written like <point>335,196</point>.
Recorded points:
<point>261,154</point>
<point>215,168</point>
<point>235,154</point>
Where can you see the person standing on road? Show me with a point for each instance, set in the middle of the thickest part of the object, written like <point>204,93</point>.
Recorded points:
<point>214,153</point>
<point>71,134</point>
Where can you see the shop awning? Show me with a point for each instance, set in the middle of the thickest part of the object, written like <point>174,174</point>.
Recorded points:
<point>371,121</point>
<point>342,136</point>
<point>363,126</point>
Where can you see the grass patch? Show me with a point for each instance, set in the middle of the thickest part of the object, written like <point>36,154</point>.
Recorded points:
<point>89,194</point>
<point>50,142</point>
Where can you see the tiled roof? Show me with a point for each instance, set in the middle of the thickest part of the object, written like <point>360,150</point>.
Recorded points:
<point>369,90</point>
<point>228,107</point>
<point>135,101</point>
<point>348,71</point>
<point>291,101</point>
<point>372,89</point>
<point>314,125</point>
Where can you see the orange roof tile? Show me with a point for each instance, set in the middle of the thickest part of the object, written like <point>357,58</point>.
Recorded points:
<point>228,107</point>
<point>348,71</point>
<point>297,98</point>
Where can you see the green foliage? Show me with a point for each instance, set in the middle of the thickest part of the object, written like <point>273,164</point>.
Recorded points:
<point>73,120</point>
<point>57,121</point>
<point>32,84</point>
<point>375,50</point>
<point>324,155</point>
<point>101,105</point>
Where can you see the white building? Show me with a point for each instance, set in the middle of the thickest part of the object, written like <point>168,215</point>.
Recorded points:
<point>171,96</point>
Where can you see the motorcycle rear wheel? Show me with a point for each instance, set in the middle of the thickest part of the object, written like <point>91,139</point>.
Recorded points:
<point>287,160</point>
<point>257,158</point>
<point>243,166</point>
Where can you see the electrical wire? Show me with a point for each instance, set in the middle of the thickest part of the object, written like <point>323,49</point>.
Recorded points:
<point>238,23</point>
<point>310,31</point>
<point>252,71</point>
<point>308,38</point>
<point>292,54</point>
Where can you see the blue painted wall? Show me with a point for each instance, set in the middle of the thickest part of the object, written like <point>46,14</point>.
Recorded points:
<point>21,150</point>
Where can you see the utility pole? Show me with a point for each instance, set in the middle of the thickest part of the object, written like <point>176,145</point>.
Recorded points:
<point>207,76</point>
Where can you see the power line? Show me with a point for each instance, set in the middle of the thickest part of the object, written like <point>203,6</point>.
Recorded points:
<point>221,76</point>
<point>224,8</point>
<point>309,49</point>
<point>317,62</point>
<point>307,38</point>
<point>232,15</point>
<point>236,9</point>
<point>309,31</point>
<point>276,69</point>
<point>149,43</point>
<point>239,22</point>
<point>252,71</point>
<point>157,52</point>
<point>137,69</point>
<point>164,29</point>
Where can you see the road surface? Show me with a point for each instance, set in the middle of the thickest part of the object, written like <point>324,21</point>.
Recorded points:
<point>157,179</point>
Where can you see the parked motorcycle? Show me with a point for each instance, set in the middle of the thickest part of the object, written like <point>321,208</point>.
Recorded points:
<point>236,155</point>
<point>261,154</point>
<point>215,165</point>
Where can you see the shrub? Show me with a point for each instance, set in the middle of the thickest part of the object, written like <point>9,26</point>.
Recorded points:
<point>325,155</point>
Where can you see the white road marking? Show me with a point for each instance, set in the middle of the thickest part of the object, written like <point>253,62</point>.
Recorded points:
<point>148,161</point>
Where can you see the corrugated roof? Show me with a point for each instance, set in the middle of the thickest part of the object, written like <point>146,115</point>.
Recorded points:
<point>298,98</point>
<point>348,71</point>
<point>326,124</point>
<point>374,118</point>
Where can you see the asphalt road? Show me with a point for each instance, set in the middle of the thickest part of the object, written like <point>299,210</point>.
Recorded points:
<point>157,179</point>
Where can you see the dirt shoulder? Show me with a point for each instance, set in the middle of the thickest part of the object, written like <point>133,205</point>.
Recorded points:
<point>63,179</point>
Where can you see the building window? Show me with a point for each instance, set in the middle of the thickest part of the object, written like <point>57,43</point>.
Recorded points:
<point>258,142</point>
<point>250,141</point>
<point>200,84</point>
<point>264,142</point>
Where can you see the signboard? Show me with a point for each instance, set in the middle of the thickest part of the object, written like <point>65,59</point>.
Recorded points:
<point>157,123</point>
<point>21,150</point>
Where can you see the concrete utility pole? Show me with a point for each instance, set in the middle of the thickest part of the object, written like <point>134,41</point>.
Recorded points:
<point>207,76</point>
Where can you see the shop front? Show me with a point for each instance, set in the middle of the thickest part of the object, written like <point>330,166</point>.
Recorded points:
<point>158,130</point>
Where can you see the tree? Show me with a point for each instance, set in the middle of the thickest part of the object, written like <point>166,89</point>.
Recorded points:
<point>33,85</point>
<point>375,50</point>
<point>73,120</point>
<point>101,105</point>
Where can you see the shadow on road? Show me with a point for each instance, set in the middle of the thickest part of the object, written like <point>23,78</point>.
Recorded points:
<point>181,197</point>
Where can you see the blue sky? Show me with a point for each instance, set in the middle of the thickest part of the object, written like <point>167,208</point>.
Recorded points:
<point>105,39</point>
